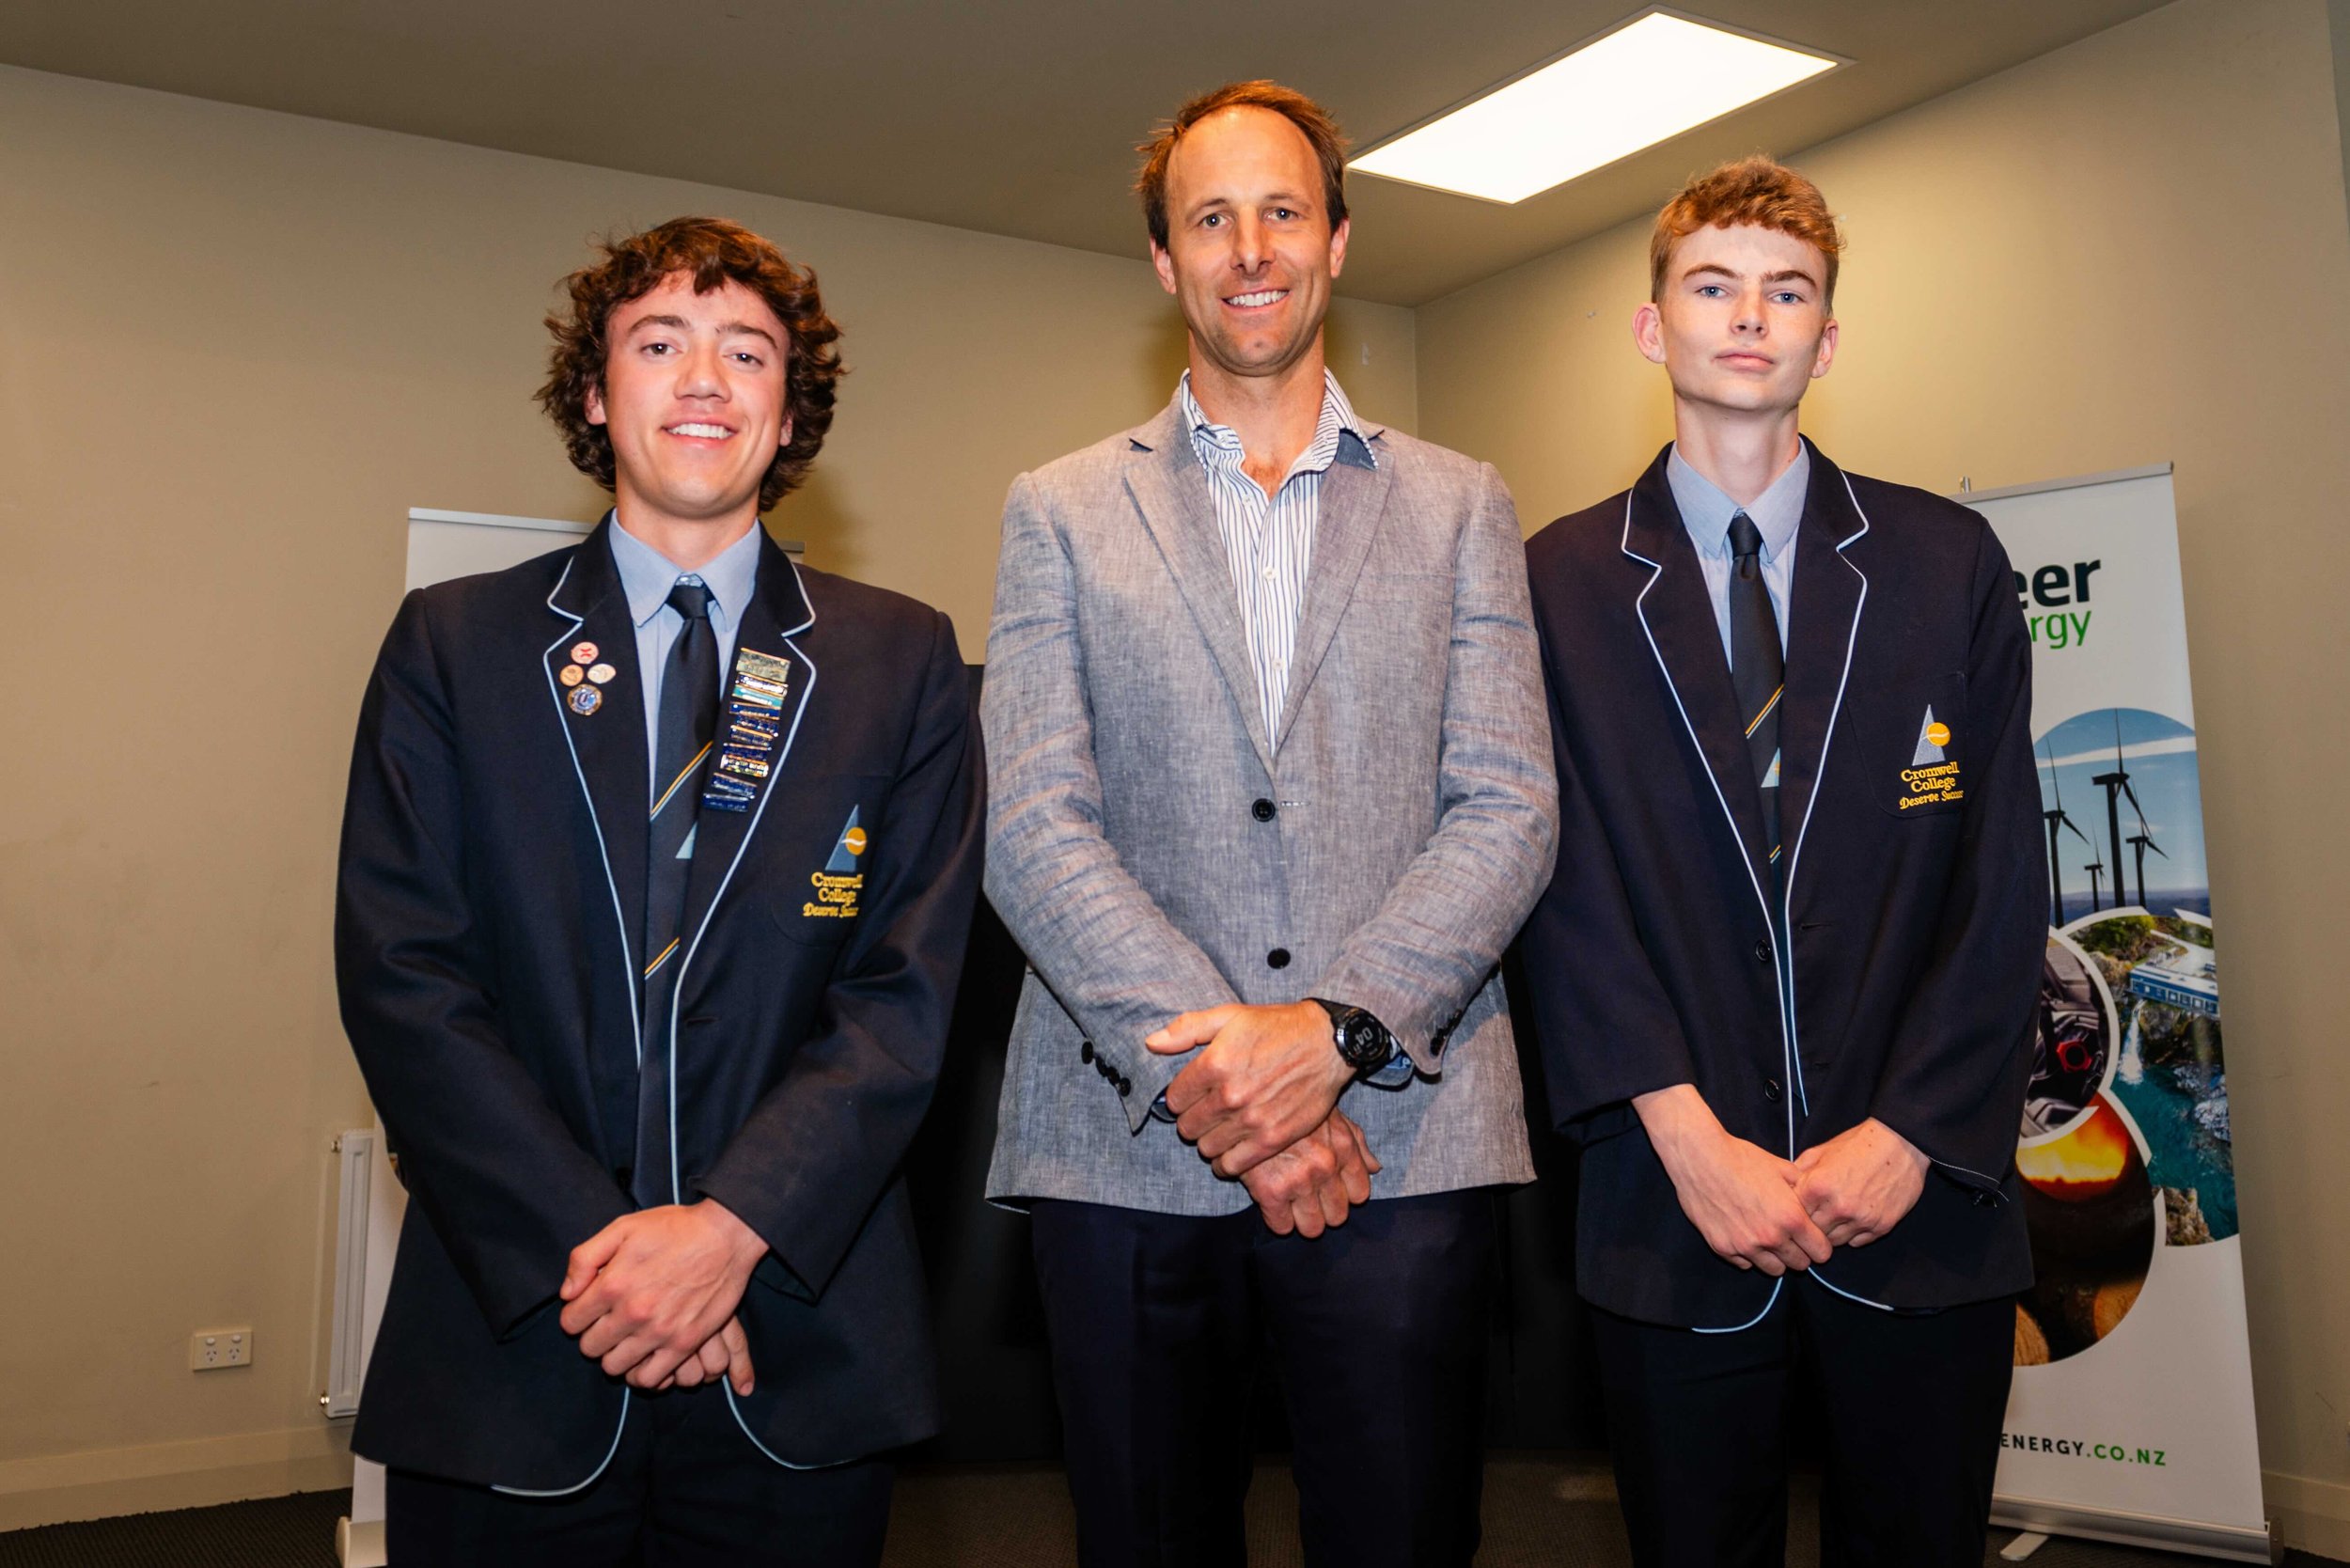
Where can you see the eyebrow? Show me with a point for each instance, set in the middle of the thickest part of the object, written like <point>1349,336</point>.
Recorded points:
<point>1273,198</point>
<point>679,323</point>
<point>1792,274</point>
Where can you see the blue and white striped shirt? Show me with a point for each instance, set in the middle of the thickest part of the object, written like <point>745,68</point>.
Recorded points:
<point>1269,545</point>
<point>1269,540</point>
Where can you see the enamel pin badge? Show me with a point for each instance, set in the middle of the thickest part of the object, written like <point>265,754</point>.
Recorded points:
<point>756,694</point>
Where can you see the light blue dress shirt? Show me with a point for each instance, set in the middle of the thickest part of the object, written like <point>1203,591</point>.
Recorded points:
<point>1705,511</point>
<point>647,576</point>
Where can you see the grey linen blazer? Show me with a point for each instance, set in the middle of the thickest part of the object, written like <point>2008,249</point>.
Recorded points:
<point>1131,850</point>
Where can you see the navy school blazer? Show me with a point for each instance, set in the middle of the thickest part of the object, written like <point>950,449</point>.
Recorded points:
<point>488,916</point>
<point>1900,975</point>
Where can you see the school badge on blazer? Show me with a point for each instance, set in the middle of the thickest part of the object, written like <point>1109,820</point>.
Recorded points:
<point>1924,770</point>
<point>839,885</point>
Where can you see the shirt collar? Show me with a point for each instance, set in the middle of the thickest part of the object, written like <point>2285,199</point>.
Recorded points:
<point>646,575</point>
<point>1705,511</point>
<point>1218,445</point>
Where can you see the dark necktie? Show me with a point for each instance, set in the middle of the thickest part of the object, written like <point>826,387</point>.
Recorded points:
<point>1758,667</point>
<point>689,718</point>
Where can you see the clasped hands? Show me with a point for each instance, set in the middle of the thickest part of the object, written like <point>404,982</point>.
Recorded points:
<point>651,1296</point>
<point>1260,1102</point>
<point>1760,1212</point>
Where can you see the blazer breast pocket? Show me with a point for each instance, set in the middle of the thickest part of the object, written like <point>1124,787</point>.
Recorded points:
<point>821,844</point>
<point>1919,753</point>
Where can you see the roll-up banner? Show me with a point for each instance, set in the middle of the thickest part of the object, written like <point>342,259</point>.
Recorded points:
<point>2131,1417</point>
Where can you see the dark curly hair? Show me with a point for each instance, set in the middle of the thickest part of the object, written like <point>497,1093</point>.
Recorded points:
<point>713,252</point>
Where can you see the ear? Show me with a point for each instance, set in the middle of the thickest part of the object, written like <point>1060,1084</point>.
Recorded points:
<point>1648,332</point>
<point>595,405</point>
<point>1337,246</point>
<point>1827,356</point>
<point>785,439</point>
<point>1163,265</point>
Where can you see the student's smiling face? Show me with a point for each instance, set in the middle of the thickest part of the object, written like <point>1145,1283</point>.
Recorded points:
<point>694,400</point>
<point>1742,322</point>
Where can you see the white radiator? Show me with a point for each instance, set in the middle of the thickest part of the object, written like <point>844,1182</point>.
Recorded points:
<point>346,1345</point>
<point>367,1235</point>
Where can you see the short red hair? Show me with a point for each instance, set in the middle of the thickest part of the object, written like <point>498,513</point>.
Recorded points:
<point>1752,191</point>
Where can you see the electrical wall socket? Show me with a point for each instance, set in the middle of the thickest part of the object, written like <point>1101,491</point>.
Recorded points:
<point>210,1349</point>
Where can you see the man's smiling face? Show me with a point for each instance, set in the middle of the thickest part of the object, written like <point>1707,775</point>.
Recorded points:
<point>1250,252</point>
<point>1742,321</point>
<point>694,400</point>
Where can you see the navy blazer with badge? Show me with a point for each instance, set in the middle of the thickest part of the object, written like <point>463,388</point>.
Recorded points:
<point>490,906</point>
<point>1915,892</point>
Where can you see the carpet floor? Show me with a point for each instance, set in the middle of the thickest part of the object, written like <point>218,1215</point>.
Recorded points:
<point>1540,1512</point>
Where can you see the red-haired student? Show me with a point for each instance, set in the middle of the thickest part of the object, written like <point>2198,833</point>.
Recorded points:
<point>1785,976</point>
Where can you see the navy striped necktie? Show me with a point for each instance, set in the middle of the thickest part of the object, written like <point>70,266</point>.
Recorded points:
<point>688,721</point>
<point>1758,667</point>
<point>682,745</point>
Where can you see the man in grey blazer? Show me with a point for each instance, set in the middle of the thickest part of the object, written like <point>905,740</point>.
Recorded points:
<point>1273,790</point>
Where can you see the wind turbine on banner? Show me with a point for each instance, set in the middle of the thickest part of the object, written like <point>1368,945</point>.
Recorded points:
<point>2095,869</point>
<point>2141,841</point>
<point>2056,818</point>
<point>2117,784</point>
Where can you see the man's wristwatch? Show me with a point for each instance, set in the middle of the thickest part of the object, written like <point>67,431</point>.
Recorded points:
<point>1363,1042</point>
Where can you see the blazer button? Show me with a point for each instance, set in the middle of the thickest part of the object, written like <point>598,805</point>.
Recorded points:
<point>1125,1087</point>
<point>1262,810</point>
<point>1085,1051</point>
<point>1771,1091</point>
<point>1277,959</point>
<point>1762,951</point>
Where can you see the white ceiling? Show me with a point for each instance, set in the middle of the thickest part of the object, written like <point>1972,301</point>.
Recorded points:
<point>1015,116</point>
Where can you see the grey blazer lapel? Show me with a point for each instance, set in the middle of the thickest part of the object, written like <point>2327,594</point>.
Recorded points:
<point>1353,499</point>
<point>1164,476</point>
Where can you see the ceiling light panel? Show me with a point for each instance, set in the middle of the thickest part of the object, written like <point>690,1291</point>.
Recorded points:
<point>1654,77</point>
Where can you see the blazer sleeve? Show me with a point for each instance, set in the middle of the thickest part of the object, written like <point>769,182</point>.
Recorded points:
<point>494,1169</point>
<point>1604,1022</point>
<point>1418,963</point>
<point>1095,937</point>
<point>1954,1083</point>
<point>820,1149</point>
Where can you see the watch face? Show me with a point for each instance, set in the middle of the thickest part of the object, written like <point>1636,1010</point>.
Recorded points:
<point>1366,1043</point>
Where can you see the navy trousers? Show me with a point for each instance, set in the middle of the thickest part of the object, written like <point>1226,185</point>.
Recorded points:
<point>1161,1323</point>
<point>1912,1406</point>
<point>684,1489</point>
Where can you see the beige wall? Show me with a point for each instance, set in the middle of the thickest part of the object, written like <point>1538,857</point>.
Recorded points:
<point>2132,250</point>
<point>235,348</point>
